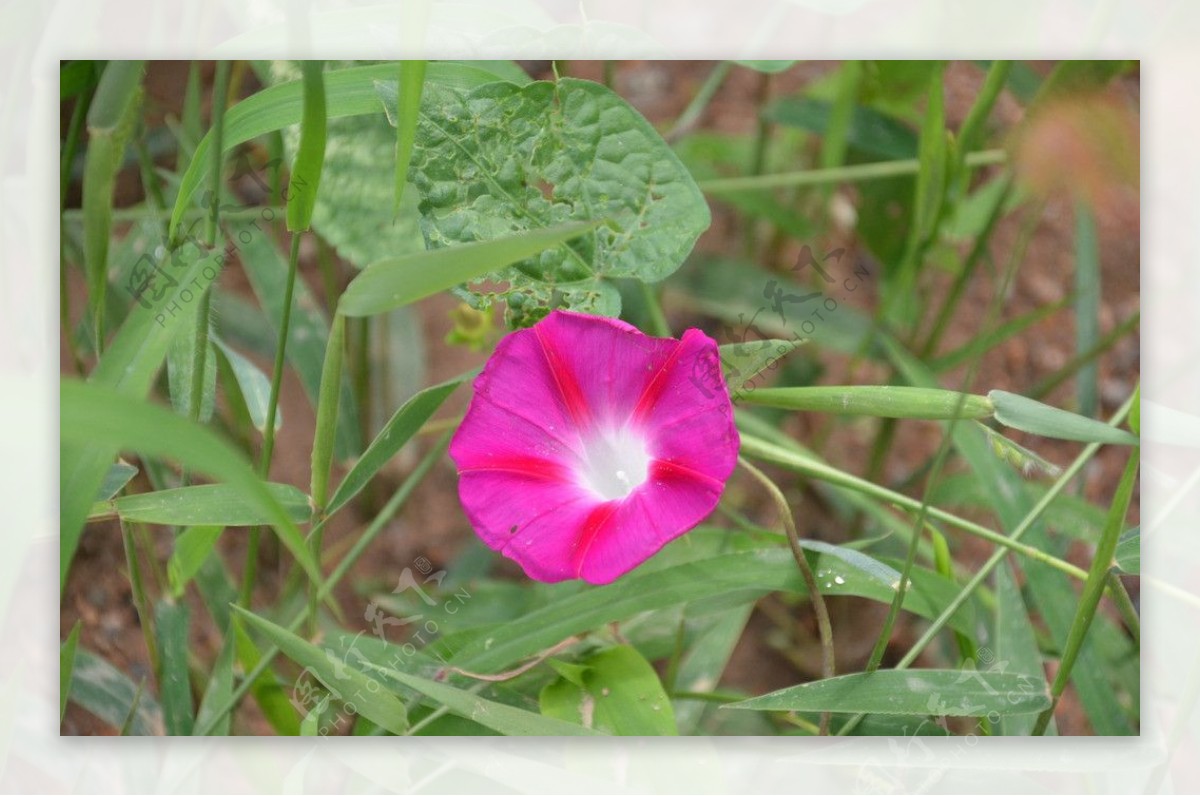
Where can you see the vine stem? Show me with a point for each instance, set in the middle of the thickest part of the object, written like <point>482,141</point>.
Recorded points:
<point>824,627</point>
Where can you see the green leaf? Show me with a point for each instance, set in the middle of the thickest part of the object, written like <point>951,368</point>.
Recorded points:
<point>310,155</point>
<point>129,365</point>
<point>1026,414</point>
<point>494,715</point>
<point>1016,646</point>
<point>504,158</point>
<point>348,92</point>
<point>180,364</point>
<point>405,423</point>
<point>192,548</point>
<point>103,690</point>
<point>219,690</point>
<point>869,131</point>
<point>1129,552</point>
<point>110,123</point>
<point>205,504</point>
<point>346,683</point>
<point>254,384</point>
<point>915,692</point>
<point>92,413</point>
<point>308,330</point>
<point>741,362</point>
<point>883,401</point>
<point>66,666</point>
<point>395,282</point>
<point>408,109</point>
<point>704,663</point>
<point>171,622</point>
<point>744,575</point>
<point>618,693</point>
<point>327,411</point>
<point>355,210</point>
<point>118,475</point>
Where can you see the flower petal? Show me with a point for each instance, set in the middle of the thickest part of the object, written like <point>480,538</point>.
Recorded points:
<point>588,445</point>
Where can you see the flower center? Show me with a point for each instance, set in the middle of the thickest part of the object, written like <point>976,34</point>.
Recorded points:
<point>615,463</point>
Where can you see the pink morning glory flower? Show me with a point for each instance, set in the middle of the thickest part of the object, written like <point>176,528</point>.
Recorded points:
<point>589,445</point>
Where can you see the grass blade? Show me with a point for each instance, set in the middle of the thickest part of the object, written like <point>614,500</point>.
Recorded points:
<point>1093,589</point>
<point>220,686</point>
<point>171,620</point>
<point>919,692</point>
<point>1026,414</point>
<point>104,691</point>
<point>885,401</point>
<point>327,411</point>
<point>403,425</point>
<point>93,413</point>
<point>205,504</point>
<point>408,106</point>
<point>310,155</point>
<point>66,666</point>
<point>192,548</point>
<point>1016,646</point>
<point>1087,306</point>
<point>389,284</point>
<point>345,682</point>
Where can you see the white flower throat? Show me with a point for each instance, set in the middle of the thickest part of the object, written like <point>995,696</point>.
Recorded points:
<point>614,463</point>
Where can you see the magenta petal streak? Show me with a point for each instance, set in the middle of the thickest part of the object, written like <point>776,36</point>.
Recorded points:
<point>588,445</point>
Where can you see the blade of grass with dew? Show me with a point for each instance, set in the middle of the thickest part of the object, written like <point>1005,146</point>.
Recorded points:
<point>917,692</point>
<point>66,666</point>
<point>408,105</point>
<point>392,283</point>
<point>402,426</point>
<point>110,122</point>
<point>750,574</point>
<point>618,692</point>
<point>1093,590</point>
<point>204,504</point>
<point>1087,306</point>
<point>348,92</point>
<point>95,413</point>
<point>884,401</point>
<point>346,683</point>
<point>171,622</point>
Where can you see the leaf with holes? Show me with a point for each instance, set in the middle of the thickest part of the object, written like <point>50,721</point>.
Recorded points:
<point>501,159</point>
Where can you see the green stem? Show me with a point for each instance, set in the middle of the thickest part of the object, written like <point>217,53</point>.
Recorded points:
<point>250,573</point>
<point>219,93</point>
<point>658,321</point>
<point>1093,590</point>
<point>766,451</point>
<point>695,108</point>
<point>856,173</point>
<point>824,627</point>
<point>138,589</point>
<point>997,557</point>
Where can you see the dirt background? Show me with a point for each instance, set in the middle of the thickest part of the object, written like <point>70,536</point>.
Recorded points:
<point>432,524</point>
